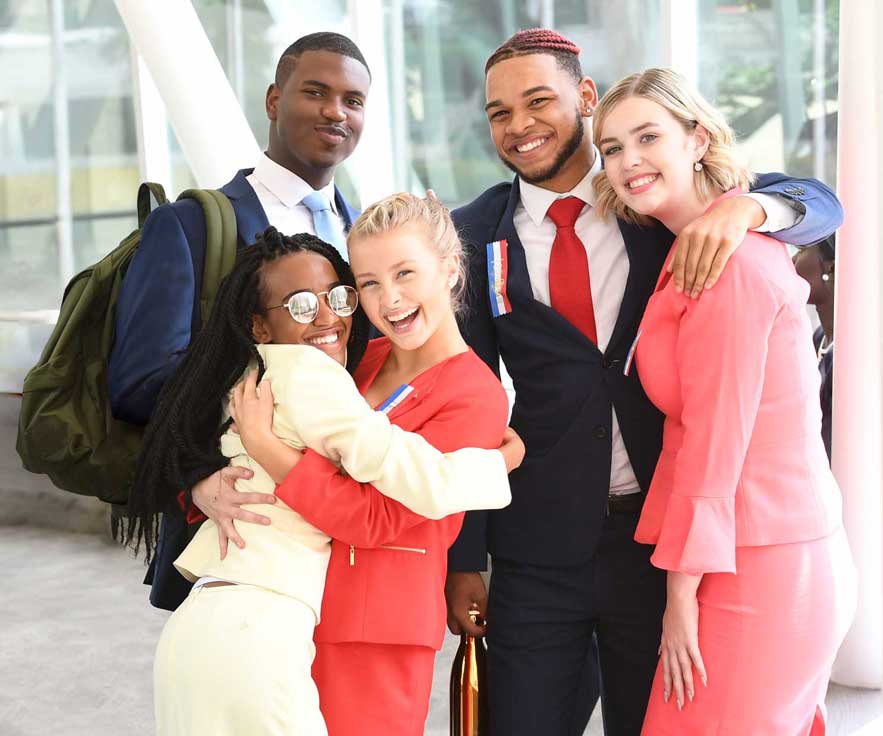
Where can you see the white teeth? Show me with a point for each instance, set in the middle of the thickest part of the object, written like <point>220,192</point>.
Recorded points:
<point>530,146</point>
<point>327,340</point>
<point>400,317</point>
<point>642,181</point>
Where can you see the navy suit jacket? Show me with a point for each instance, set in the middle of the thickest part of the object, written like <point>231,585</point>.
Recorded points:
<point>565,387</point>
<point>158,306</point>
<point>157,315</point>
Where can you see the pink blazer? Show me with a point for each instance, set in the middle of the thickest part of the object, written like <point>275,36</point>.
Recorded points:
<point>742,463</point>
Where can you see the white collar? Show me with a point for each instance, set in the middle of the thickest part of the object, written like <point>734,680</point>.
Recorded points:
<point>287,186</point>
<point>537,200</point>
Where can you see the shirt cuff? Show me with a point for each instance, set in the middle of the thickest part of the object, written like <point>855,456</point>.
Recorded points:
<point>194,515</point>
<point>782,213</point>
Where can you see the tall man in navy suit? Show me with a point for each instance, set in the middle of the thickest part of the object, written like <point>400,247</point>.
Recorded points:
<point>316,107</point>
<point>565,565</point>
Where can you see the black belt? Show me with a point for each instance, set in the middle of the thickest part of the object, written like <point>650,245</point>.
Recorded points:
<point>629,503</point>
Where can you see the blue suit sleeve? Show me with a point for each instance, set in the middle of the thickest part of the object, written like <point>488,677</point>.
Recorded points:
<point>469,551</point>
<point>823,213</point>
<point>153,318</point>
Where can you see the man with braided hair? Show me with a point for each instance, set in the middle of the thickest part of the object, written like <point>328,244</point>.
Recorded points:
<point>315,107</point>
<point>559,295</point>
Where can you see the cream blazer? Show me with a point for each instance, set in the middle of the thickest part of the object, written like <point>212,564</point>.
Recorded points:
<point>317,405</point>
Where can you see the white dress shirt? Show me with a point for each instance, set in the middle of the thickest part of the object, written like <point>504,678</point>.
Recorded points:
<point>281,193</point>
<point>608,271</point>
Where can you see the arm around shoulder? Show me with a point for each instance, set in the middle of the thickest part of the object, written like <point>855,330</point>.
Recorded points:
<point>333,418</point>
<point>822,211</point>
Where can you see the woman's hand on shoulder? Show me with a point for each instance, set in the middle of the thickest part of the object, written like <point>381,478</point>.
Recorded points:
<point>217,497</point>
<point>705,245</point>
<point>512,449</point>
<point>252,412</point>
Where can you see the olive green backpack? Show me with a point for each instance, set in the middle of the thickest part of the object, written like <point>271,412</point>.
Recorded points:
<point>66,429</point>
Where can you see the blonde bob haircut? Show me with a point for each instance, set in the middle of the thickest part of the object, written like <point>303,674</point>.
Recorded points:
<point>721,171</point>
<point>399,210</point>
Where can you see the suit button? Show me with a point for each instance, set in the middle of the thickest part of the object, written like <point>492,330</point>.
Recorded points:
<point>606,362</point>
<point>599,432</point>
<point>794,190</point>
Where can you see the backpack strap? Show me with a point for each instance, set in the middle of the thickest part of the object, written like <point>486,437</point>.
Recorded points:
<point>220,243</point>
<point>150,195</point>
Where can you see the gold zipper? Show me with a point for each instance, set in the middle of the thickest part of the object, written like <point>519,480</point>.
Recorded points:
<point>418,550</point>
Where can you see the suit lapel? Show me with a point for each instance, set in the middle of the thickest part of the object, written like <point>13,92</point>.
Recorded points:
<point>250,216</point>
<point>647,248</point>
<point>348,214</point>
<point>518,279</point>
<point>520,291</point>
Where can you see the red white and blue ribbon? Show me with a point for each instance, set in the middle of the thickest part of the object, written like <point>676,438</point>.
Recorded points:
<point>631,356</point>
<point>396,398</point>
<point>497,276</point>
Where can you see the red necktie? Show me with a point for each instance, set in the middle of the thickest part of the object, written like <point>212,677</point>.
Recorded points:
<point>569,286</point>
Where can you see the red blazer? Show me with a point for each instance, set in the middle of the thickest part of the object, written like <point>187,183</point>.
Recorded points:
<point>385,581</point>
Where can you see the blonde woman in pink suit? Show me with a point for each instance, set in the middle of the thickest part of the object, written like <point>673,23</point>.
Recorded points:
<point>743,509</point>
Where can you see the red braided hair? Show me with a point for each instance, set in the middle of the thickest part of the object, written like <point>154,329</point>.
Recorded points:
<point>537,41</point>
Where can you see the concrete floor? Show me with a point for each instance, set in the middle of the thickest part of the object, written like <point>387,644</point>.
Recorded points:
<point>77,639</point>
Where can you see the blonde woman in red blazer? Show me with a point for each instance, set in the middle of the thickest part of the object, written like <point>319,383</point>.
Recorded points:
<point>383,612</point>
<point>743,509</point>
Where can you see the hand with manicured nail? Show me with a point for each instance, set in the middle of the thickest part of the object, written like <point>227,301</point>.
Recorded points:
<point>705,245</point>
<point>679,649</point>
<point>217,497</point>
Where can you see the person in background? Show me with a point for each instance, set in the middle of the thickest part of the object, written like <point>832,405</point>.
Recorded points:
<point>815,264</point>
<point>743,511</point>
<point>316,109</point>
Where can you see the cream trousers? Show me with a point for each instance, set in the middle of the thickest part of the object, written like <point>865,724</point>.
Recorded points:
<point>235,661</point>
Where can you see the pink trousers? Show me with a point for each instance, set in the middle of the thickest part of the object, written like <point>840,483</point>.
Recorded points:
<point>768,636</point>
<point>373,689</point>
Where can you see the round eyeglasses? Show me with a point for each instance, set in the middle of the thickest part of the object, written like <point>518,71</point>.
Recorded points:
<point>303,306</point>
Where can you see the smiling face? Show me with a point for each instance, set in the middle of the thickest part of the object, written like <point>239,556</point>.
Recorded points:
<point>649,157</point>
<point>304,271</point>
<point>318,114</point>
<point>538,116</point>
<point>404,286</point>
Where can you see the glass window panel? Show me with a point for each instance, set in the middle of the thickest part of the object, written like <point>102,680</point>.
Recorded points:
<point>774,75</point>
<point>96,236</point>
<point>102,160</point>
<point>30,276</point>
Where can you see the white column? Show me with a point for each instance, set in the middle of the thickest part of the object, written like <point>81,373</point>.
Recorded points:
<point>819,74</point>
<point>63,208</point>
<point>151,127</point>
<point>680,21</point>
<point>857,435</point>
<point>372,165</point>
<point>204,112</point>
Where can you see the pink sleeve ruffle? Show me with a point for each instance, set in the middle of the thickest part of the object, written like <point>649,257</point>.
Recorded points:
<point>697,535</point>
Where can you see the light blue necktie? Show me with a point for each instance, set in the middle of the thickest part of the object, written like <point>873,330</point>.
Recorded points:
<point>325,221</point>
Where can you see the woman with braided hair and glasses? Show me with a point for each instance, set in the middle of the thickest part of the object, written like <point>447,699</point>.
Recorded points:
<point>235,658</point>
